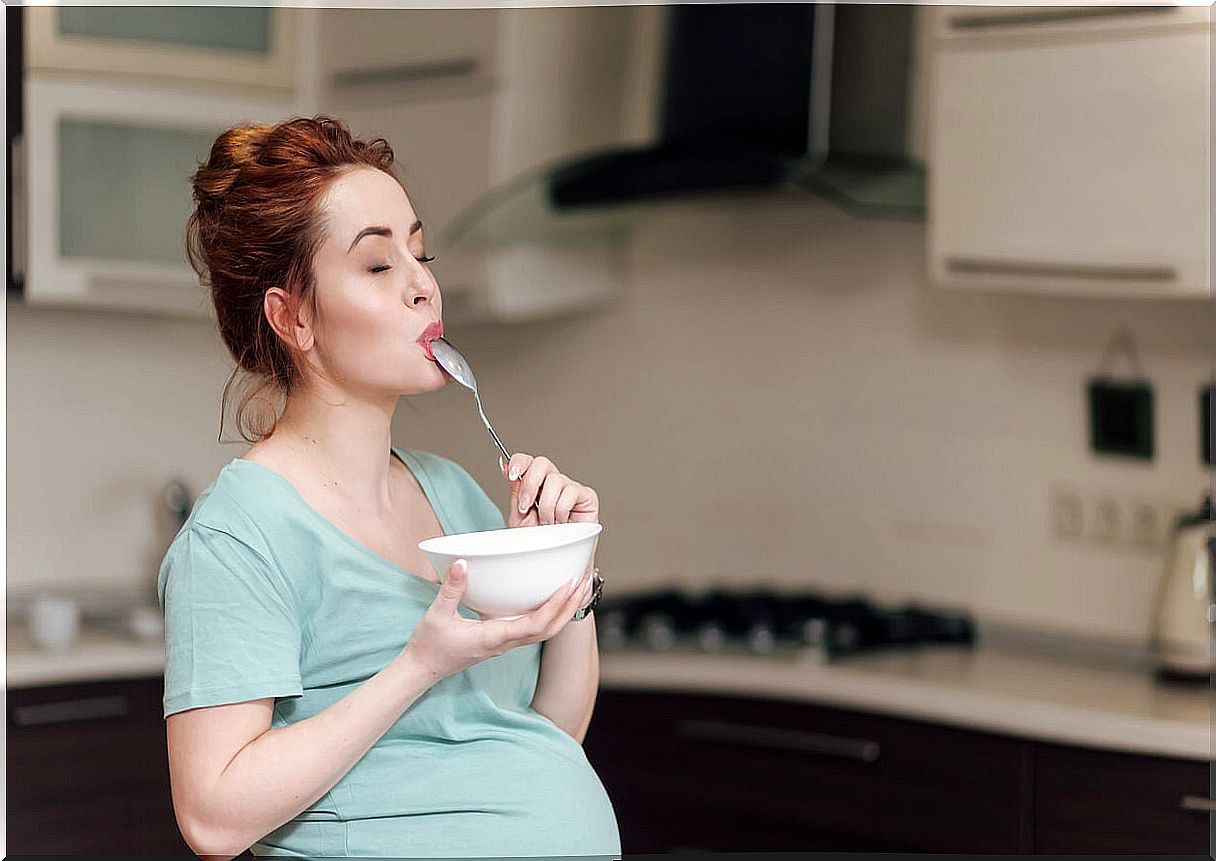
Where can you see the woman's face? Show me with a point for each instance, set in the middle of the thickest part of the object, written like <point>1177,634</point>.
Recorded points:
<point>375,297</point>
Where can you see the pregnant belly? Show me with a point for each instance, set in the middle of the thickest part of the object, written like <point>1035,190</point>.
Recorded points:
<point>510,796</point>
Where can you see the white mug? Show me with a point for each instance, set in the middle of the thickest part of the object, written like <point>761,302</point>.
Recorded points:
<point>54,622</point>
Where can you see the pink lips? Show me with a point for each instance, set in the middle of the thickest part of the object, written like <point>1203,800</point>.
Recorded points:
<point>429,334</point>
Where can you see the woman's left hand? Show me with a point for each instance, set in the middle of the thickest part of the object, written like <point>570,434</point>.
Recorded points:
<point>559,498</point>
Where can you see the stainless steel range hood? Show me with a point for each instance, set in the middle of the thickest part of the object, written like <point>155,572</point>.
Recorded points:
<point>757,97</point>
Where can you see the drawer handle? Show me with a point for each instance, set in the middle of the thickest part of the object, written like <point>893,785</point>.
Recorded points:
<point>1029,19</point>
<point>1199,803</point>
<point>771,738</point>
<point>71,710</point>
<point>406,73</point>
<point>974,265</point>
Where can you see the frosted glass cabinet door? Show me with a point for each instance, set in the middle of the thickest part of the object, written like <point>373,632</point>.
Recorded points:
<point>249,47</point>
<point>109,191</point>
<point>124,191</point>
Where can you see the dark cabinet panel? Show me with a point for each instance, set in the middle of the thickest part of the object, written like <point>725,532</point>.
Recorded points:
<point>726,774</point>
<point>721,772</point>
<point>88,770</point>
<point>1100,801</point>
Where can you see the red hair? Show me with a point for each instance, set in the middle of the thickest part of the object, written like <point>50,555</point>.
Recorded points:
<point>257,224</point>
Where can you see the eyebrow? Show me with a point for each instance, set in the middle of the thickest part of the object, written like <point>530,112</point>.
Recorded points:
<point>380,230</point>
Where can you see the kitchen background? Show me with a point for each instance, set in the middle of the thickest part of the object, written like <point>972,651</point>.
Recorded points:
<point>768,388</point>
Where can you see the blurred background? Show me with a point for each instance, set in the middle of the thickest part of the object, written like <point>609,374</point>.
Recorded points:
<point>882,331</point>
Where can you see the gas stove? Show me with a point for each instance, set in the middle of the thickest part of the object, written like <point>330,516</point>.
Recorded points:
<point>762,621</point>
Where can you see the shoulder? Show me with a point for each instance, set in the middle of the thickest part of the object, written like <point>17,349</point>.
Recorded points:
<point>235,508</point>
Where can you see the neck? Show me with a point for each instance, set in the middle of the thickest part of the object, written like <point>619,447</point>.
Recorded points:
<point>343,444</point>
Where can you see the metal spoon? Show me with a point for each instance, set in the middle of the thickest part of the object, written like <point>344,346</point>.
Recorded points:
<point>450,359</point>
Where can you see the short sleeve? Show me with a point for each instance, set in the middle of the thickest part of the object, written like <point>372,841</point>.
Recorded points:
<point>231,629</point>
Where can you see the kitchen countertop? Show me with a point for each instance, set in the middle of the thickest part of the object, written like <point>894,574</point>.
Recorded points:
<point>100,653</point>
<point>1000,687</point>
<point>994,688</point>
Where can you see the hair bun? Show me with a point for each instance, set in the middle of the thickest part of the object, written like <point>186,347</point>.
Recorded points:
<point>234,150</point>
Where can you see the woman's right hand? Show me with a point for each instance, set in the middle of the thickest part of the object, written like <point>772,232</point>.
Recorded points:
<point>444,642</point>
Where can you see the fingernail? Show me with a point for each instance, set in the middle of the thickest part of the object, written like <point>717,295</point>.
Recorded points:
<point>514,471</point>
<point>502,467</point>
<point>524,506</point>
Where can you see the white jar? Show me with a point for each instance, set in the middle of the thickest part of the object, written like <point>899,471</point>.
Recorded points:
<point>54,622</point>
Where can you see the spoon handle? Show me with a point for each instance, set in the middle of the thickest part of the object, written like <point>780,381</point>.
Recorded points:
<point>506,454</point>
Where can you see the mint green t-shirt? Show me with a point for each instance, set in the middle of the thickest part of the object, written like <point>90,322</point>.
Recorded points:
<point>265,597</point>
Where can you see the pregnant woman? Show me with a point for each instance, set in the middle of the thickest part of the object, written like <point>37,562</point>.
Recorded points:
<point>324,694</point>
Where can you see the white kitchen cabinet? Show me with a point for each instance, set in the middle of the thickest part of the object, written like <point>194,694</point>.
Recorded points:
<point>376,56</point>
<point>111,146</point>
<point>248,48</point>
<point>1069,154</point>
<point>109,190</point>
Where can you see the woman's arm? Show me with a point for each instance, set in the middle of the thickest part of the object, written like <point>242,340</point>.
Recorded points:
<point>569,678</point>
<point>235,779</point>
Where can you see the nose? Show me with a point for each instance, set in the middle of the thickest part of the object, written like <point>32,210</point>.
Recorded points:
<point>422,289</point>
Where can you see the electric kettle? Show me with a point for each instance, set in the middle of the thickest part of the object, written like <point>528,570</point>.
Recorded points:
<point>1185,608</point>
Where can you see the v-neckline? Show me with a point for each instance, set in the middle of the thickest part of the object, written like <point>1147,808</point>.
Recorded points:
<point>416,469</point>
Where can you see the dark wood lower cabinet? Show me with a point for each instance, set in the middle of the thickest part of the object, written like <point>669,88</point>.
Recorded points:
<point>1099,801</point>
<point>88,771</point>
<point>726,774</point>
<point>88,774</point>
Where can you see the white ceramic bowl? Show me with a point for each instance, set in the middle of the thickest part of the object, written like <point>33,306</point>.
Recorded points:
<point>514,571</point>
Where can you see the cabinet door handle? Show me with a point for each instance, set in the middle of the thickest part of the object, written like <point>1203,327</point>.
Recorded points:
<point>71,710</point>
<point>982,266</point>
<point>1198,803</point>
<point>406,73</point>
<point>983,21</point>
<point>772,738</point>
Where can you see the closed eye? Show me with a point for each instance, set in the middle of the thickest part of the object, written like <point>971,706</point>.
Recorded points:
<point>379,269</point>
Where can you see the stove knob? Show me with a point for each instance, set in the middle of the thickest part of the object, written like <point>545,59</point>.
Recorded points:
<point>845,637</point>
<point>610,630</point>
<point>760,639</point>
<point>658,632</point>
<point>711,638</point>
<point>814,632</point>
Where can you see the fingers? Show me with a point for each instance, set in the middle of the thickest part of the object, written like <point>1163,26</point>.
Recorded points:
<point>565,502</point>
<point>452,589</point>
<point>546,620</point>
<point>537,486</point>
<point>531,478</point>
<point>550,492</point>
<point>518,466</point>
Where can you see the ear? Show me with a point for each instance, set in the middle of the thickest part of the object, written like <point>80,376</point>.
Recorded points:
<point>288,318</point>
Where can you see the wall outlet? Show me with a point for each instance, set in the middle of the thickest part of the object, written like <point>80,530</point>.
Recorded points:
<point>1067,513</point>
<point>1103,517</point>
<point>1148,522</point>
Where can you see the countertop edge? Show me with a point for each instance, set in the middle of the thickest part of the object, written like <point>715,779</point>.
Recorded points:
<point>838,686</point>
<point>1045,722</point>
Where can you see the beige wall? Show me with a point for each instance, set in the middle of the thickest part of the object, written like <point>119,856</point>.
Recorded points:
<point>777,396</point>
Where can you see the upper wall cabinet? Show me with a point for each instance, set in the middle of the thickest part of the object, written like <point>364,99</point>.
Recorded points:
<point>123,103</point>
<point>377,56</point>
<point>109,190</point>
<point>247,48</point>
<point>1069,150</point>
